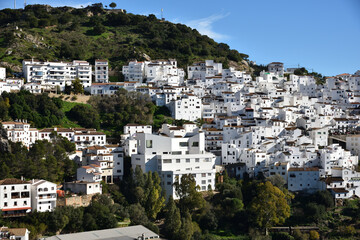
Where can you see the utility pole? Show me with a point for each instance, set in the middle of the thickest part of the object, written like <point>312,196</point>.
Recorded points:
<point>24,4</point>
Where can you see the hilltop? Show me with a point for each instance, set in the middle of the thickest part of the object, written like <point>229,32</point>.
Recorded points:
<point>65,33</point>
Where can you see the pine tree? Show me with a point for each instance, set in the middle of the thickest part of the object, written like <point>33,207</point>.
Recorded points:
<point>172,223</point>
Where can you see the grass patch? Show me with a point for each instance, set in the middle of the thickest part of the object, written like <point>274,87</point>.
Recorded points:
<point>66,122</point>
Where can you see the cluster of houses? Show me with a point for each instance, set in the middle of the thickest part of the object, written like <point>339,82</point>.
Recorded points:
<point>275,123</point>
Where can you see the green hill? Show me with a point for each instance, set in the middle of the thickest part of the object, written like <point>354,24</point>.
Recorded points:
<point>65,33</point>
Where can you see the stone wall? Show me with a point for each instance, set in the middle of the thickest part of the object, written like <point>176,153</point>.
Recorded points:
<point>77,201</point>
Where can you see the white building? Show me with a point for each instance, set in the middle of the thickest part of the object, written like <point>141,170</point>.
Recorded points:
<point>15,197</point>
<point>201,70</point>
<point>353,144</point>
<point>304,179</point>
<point>14,233</point>
<point>87,188</point>
<point>11,85</point>
<point>2,73</point>
<point>43,196</point>
<point>101,71</point>
<point>276,67</point>
<point>89,173</point>
<point>174,153</point>
<point>135,71</point>
<point>189,107</point>
<point>53,74</point>
<point>21,132</point>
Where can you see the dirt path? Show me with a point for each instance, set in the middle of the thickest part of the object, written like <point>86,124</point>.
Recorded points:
<point>69,98</point>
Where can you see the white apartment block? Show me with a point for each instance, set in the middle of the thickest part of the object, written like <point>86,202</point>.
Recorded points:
<point>201,70</point>
<point>15,197</point>
<point>189,107</point>
<point>135,71</point>
<point>158,72</point>
<point>53,74</point>
<point>43,196</point>
<point>173,155</point>
<point>101,71</point>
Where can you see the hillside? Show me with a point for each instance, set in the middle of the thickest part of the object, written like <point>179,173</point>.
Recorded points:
<point>47,33</point>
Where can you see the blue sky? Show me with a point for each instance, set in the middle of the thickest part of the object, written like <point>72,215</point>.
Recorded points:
<point>323,35</point>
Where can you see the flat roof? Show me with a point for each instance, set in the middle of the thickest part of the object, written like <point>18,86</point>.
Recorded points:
<point>125,233</point>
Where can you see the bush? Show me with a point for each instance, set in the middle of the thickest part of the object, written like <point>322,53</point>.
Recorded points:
<point>74,98</point>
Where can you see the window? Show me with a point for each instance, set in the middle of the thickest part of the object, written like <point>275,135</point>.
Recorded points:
<point>12,188</point>
<point>203,175</point>
<point>15,203</point>
<point>149,143</point>
<point>177,160</point>
<point>183,144</point>
<point>5,204</point>
<point>197,159</point>
<point>5,195</point>
<point>25,187</point>
<point>195,144</point>
<point>167,161</point>
<point>25,203</point>
<point>188,160</point>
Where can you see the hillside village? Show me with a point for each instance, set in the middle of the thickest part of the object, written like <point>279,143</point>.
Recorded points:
<point>277,123</point>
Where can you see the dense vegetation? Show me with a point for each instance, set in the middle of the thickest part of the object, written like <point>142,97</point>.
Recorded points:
<point>94,32</point>
<point>108,113</point>
<point>44,160</point>
<point>40,110</point>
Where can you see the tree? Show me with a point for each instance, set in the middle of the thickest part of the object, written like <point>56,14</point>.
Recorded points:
<point>99,29</point>
<point>314,235</point>
<point>186,231</point>
<point>154,201</point>
<point>112,5</point>
<point>172,223</point>
<point>77,86</point>
<point>187,191</point>
<point>86,116</point>
<point>277,181</point>
<point>269,207</point>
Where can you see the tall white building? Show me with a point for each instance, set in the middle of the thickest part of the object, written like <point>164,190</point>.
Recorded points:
<point>53,74</point>
<point>159,72</point>
<point>189,107</point>
<point>43,196</point>
<point>101,71</point>
<point>135,71</point>
<point>174,153</point>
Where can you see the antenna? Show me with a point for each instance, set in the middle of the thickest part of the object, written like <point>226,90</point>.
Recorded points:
<point>14,4</point>
<point>162,11</point>
<point>24,4</point>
